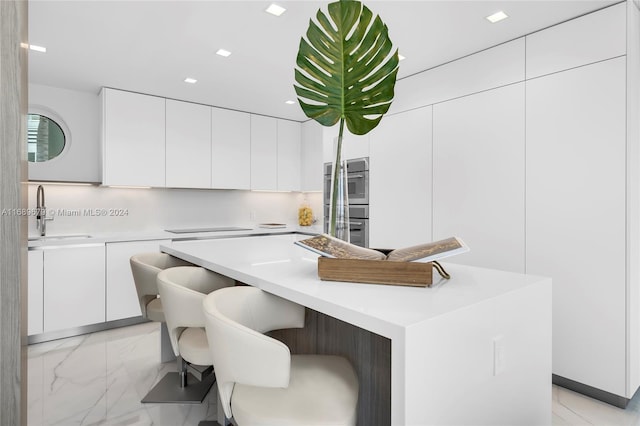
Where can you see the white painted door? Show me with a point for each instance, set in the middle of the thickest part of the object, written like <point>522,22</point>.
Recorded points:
<point>230,149</point>
<point>188,135</point>
<point>576,216</point>
<point>133,139</point>
<point>478,176</point>
<point>400,180</point>
<point>74,292</point>
<point>122,298</point>
<point>264,153</point>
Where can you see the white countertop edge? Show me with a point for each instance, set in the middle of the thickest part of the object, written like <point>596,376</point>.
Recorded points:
<point>97,238</point>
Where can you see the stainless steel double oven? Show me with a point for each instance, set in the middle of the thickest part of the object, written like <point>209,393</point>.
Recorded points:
<point>358,186</point>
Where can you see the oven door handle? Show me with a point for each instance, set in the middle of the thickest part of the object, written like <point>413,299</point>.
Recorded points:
<point>357,223</point>
<point>355,176</point>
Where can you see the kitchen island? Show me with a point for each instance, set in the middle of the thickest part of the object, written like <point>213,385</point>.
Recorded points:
<point>475,349</point>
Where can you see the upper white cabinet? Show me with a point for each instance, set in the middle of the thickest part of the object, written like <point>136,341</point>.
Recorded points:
<point>133,139</point>
<point>264,153</point>
<point>495,67</point>
<point>122,298</point>
<point>311,153</point>
<point>188,145</point>
<point>288,163</point>
<point>230,149</point>
<point>400,180</point>
<point>576,173</point>
<point>35,292</point>
<point>590,38</point>
<point>74,291</point>
<point>150,141</point>
<point>478,176</point>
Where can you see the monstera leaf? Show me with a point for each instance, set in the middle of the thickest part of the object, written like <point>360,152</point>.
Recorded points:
<point>346,70</point>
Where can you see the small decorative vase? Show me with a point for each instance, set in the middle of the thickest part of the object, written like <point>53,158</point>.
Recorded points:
<point>339,201</point>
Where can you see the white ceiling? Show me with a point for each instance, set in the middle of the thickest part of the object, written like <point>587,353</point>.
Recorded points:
<point>151,46</point>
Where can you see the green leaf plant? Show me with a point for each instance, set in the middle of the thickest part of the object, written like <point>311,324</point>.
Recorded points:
<point>346,71</point>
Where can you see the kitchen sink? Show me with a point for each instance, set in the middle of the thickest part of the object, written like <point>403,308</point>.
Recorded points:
<point>59,237</point>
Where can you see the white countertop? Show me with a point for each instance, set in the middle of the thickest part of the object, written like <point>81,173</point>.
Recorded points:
<point>78,238</point>
<point>275,264</point>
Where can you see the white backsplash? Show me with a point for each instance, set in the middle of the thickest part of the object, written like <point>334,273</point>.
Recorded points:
<point>104,210</point>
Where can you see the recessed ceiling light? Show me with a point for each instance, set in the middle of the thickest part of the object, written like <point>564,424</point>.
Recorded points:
<point>290,102</point>
<point>400,57</point>
<point>497,17</point>
<point>190,80</point>
<point>223,52</point>
<point>37,48</point>
<point>275,10</point>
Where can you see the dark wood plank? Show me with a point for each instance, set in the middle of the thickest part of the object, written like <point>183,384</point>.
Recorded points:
<point>369,353</point>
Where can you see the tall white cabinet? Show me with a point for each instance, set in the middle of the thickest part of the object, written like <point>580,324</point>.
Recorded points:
<point>400,180</point>
<point>535,163</point>
<point>576,128</point>
<point>478,176</point>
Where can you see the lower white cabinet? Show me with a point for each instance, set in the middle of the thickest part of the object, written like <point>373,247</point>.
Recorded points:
<point>122,299</point>
<point>35,292</point>
<point>74,292</point>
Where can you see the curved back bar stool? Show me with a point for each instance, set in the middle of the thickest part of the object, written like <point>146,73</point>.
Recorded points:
<point>145,268</point>
<point>182,290</point>
<point>259,381</point>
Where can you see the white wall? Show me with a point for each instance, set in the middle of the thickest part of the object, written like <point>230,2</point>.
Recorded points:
<point>149,210</point>
<point>79,111</point>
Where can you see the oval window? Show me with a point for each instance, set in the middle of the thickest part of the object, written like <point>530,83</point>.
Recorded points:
<point>45,138</point>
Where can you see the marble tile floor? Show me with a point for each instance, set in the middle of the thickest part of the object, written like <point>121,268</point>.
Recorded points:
<point>100,378</point>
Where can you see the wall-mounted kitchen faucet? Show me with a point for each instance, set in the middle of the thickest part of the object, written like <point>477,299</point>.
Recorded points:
<point>41,212</point>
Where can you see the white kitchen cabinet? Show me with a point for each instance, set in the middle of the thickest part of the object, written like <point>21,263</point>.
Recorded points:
<point>584,40</point>
<point>122,299</point>
<point>478,176</point>
<point>575,167</point>
<point>230,149</point>
<point>133,139</point>
<point>288,159</point>
<point>35,292</point>
<point>353,146</point>
<point>188,145</point>
<point>400,180</point>
<point>311,157</point>
<point>488,69</point>
<point>74,290</point>
<point>264,153</point>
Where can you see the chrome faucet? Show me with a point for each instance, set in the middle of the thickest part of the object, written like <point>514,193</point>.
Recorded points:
<point>41,212</point>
